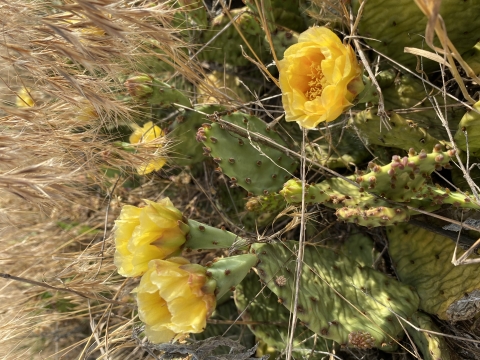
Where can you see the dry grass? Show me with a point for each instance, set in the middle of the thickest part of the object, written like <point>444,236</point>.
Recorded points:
<point>57,206</point>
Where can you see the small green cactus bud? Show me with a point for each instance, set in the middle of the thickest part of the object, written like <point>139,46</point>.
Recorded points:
<point>139,86</point>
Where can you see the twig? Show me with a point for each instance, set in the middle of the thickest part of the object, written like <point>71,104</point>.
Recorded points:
<point>301,246</point>
<point>381,104</point>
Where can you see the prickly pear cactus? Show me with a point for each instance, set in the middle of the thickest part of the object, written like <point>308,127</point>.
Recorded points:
<point>225,46</point>
<point>361,248</point>
<point>432,346</point>
<point>337,149</point>
<point>259,306</point>
<point>403,180</point>
<point>422,259</point>
<point>185,149</point>
<point>339,298</point>
<point>404,26</point>
<point>202,236</point>
<point>284,13</point>
<point>468,133</point>
<point>417,126</point>
<point>148,89</point>
<point>257,168</point>
<point>272,202</point>
<point>404,134</point>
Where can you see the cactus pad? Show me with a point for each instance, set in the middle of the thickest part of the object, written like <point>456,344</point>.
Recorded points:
<point>338,299</point>
<point>261,308</point>
<point>422,259</point>
<point>433,347</point>
<point>185,150</point>
<point>469,127</point>
<point>404,134</point>
<point>404,26</point>
<point>257,168</point>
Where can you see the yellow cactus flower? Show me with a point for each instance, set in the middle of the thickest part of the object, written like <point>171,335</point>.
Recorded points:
<point>24,98</point>
<point>145,135</point>
<point>174,298</point>
<point>155,231</point>
<point>319,78</point>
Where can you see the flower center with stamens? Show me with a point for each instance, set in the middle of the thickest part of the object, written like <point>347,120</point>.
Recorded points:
<point>317,83</point>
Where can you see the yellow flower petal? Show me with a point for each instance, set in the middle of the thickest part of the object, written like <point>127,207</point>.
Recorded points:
<point>171,301</point>
<point>159,336</point>
<point>319,78</point>
<point>188,316</point>
<point>145,135</point>
<point>143,234</point>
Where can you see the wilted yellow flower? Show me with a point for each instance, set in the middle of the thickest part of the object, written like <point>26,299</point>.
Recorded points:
<point>142,234</point>
<point>74,19</point>
<point>24,99</point>
<point>86,111</point>
<point>319,78</point>
<point>144,135</point>
<point>174,298</point>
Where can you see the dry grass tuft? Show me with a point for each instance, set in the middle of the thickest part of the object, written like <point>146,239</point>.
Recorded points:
<point>63,298</point>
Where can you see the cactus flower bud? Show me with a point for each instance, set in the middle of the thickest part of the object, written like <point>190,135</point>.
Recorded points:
<point>292,191</point>
<point>174,298</point>
<point>139,86</point>
<point>155,231</point>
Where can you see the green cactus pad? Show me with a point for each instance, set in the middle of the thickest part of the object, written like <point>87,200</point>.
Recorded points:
<point>422,259</point>
<point>338,299</point>
<point>403,180</point>
<point>256,167</point>
<point>377,216</point>
<point>230,271</point>
<point>413,122</point>
<point>259,306</point>
<point>225,48</point>
<point>185,149</point>
<point>334,193</point>
<point>202,236</point>
<point>337,149</point>
<point>407,174</point>
<point>272,202</point>
<point>404,134</point>
<point>361,248</point>
<point>433,347</point>
<point>147,89</point>
<point>440,196</point>
<point>352,204</point>
<point>403,25</point>
<point>469,127</point>
<point>280,12</point>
